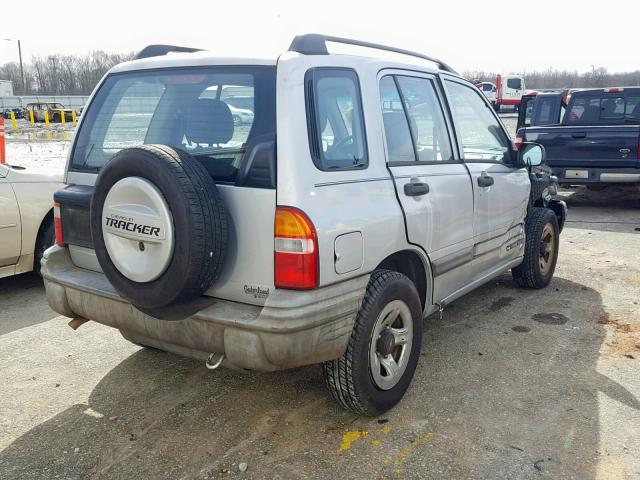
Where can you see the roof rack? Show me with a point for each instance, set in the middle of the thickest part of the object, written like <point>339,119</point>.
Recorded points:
<point>316,44</point>
<point>160,50</point>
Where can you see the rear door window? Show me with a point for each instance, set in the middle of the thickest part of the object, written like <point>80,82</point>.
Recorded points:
<point>426,120</point>
<point>396,127</point>
<point>334,119</point>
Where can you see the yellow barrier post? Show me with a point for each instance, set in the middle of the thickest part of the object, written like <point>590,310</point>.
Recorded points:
<point>74,119</point>
<point>31,119</point>
<point>62,117</point>
<point>46,118</point>
<point>14,124</point>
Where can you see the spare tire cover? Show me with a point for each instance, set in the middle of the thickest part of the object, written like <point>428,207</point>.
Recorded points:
<point>159,226</point>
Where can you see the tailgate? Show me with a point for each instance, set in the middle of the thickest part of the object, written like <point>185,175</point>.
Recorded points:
<point>588,146</point>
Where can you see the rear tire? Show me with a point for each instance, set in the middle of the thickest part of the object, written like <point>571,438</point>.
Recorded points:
<point>540,250</point>
<point>46,238</point>
<point>382,342</point>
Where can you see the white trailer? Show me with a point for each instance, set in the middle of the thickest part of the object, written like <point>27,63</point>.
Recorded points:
<point>6,88</point>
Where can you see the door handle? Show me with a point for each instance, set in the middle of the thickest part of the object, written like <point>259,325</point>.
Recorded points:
<point>579,134</point>
<point>485,180</point>
<point>415,189</point>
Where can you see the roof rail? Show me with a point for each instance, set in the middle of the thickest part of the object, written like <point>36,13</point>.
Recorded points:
<point>316,44</point>
<point>159,50</point>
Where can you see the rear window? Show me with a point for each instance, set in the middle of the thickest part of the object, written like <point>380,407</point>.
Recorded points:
<point>514,83</point>
<point>215,114</point>
<point>487,87</point>
<point>605,109</point>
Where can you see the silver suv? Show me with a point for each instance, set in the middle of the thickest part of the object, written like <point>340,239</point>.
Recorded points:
<point>362,196</point>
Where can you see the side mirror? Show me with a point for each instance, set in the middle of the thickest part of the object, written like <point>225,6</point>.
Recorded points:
<point>531,155</point>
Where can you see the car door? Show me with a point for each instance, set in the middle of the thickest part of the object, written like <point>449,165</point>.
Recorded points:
<point>10,241</point>
<point>500,189</point>
<point>432,184</point>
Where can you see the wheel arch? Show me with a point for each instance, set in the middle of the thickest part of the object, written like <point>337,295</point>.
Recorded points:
<point>47,217</point>
<point>417,268</point>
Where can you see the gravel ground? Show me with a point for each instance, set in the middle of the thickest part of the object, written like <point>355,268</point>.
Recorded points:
<point>512,383</point>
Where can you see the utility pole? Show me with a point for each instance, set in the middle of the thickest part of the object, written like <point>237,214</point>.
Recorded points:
<point>24,88</point>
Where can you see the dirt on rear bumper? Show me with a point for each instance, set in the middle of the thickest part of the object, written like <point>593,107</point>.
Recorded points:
<point>292,329</point>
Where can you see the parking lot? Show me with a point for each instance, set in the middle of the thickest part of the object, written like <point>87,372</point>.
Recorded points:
<point>512,383</point>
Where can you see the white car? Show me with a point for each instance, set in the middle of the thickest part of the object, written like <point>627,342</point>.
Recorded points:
<point>241,116</point>
<point>26,217</point>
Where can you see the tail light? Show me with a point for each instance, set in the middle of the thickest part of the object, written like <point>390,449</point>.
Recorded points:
<point>57,224</point>
<point>296,250</point>
<point>518,142</point>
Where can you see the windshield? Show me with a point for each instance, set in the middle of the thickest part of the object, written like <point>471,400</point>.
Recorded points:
<point>190,109</point>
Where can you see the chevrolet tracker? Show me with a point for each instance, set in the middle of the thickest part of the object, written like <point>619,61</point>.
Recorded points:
<point>360,196</point>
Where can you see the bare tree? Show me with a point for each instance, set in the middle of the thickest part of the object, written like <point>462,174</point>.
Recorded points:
<point>562,79</point>
<point>62,74</point>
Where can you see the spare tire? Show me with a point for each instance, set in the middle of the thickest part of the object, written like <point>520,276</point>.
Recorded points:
<point>159,226</point>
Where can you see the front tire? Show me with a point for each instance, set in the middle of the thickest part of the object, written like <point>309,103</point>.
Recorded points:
<point>540,251</point>
<point>375,371</point>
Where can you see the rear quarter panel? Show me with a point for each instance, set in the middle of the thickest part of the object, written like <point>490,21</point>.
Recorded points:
<point>337,202</point>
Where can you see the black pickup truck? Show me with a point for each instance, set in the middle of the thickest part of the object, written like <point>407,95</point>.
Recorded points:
<point>593,140</point>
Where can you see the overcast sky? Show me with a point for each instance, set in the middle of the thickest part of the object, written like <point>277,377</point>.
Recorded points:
<point>508,36</point>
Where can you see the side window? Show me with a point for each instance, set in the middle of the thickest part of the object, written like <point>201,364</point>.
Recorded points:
<point>481,134</point>
<point>426,120</point>
<point>396,128</point>
<point>334,119</point>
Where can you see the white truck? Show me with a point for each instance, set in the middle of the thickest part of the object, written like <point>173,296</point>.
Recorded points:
<point>509,90</point>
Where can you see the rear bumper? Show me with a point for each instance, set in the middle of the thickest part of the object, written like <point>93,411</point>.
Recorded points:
<point>587,175</point>
<point>291,330</point>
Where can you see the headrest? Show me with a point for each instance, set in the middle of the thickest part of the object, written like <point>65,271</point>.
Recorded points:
<point>399,142</point>
<point>209,121</point>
